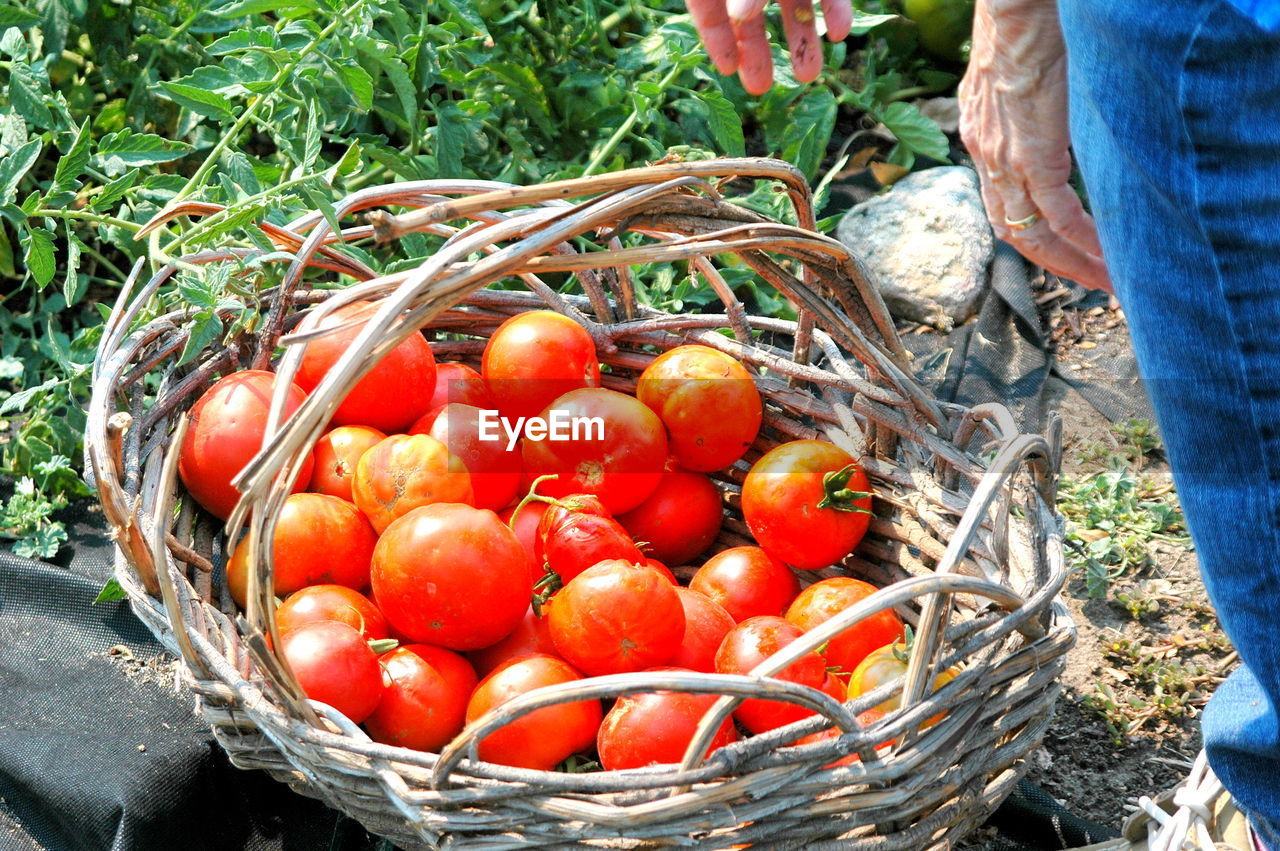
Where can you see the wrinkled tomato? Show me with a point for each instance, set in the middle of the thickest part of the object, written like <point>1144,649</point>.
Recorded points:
<point>405,472</point>
<point>617,617</point>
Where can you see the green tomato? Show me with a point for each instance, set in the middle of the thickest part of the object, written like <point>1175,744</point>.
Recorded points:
<point>945,26</point>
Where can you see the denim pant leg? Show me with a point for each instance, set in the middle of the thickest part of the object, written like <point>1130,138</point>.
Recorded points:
<point>1175,118</point>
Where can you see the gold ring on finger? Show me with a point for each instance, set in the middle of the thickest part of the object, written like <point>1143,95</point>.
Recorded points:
<point>1022,224</point>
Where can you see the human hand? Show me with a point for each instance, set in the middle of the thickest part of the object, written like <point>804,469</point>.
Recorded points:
<point>736,39</point>
<point>1013,120</point>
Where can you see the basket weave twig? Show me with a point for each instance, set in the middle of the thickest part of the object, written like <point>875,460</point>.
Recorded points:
<point>964,541</point>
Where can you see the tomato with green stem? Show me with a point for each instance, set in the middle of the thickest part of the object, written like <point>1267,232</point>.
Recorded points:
<point>807,502</point>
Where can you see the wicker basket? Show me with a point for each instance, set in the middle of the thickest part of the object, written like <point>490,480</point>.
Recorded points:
<point>965,542</point>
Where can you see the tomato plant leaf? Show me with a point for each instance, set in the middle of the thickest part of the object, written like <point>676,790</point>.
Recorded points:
<point>200,101</point>
<point>358,83</point>
<point>11,16</point>
<point>114,190</point>
<point>39,256</point>
<point>206,328</point>
<point>27,97</point>
<point>110,592</point>
<point>865,22</point>
<point>73,163</point>
<point>915,130</point>
<point>811,122</point>
<point>726,124</point>
<point>247,8</point>
<point>450,139</point>
<point>262,38</point>
<point>124,149</point>
<point>14,166</point>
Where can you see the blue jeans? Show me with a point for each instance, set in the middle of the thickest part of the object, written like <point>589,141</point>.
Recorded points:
<point>1175,119</point>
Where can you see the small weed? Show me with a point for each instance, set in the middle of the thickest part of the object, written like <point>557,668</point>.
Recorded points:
<point>27,517</point>
<point>1158,685</point>
<point>1113,519</point>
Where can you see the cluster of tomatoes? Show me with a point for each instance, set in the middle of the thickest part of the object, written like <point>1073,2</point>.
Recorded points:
<point>443,553</point>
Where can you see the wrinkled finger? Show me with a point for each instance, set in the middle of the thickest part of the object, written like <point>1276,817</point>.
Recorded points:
<point>798,21</point>
<point>742,10</point>
<point>755,64</point>
<point>711,20</point>
<point>838,15</point>
<point>1042,246</point>
<point>1015,201</point>
<point>1062,206</point>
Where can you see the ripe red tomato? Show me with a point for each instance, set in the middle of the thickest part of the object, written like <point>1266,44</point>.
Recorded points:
<point>822,600</point>
<point>708,402</point>
<point>336,455</point>
<point>393,394</point>
<point>332,603</point>
<point>532,635</point>
<point>661,568</point>
<point>747,582</point>
<point>525,525</point>
<point>533,358</point>
<point>318,540</point>
<point>457,382</point>
<point>494,470</point>
<point>621,463</point>
<point>405,472</point>
<point>334,665</point>
<point>227,425</point>
<point>541,739</point>
<point>750,643</point>
<point>451,575</point>
<point>706,623</point>
<point>583,540</point>
<point>425,702</point>
<point>561,510</point>
<point>884,665</point>
<point>617,617</point>
<point>797,501</point>
<point>655,728</point>
<point>680,518</point>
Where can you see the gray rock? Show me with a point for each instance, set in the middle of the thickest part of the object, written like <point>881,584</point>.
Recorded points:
<point>928,243</point>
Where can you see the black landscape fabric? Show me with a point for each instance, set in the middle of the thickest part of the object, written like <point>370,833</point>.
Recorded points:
<point>100,752</point>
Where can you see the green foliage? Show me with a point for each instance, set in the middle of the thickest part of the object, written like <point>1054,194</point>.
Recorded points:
<point>111,112</point>
<point>1112,521</point>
